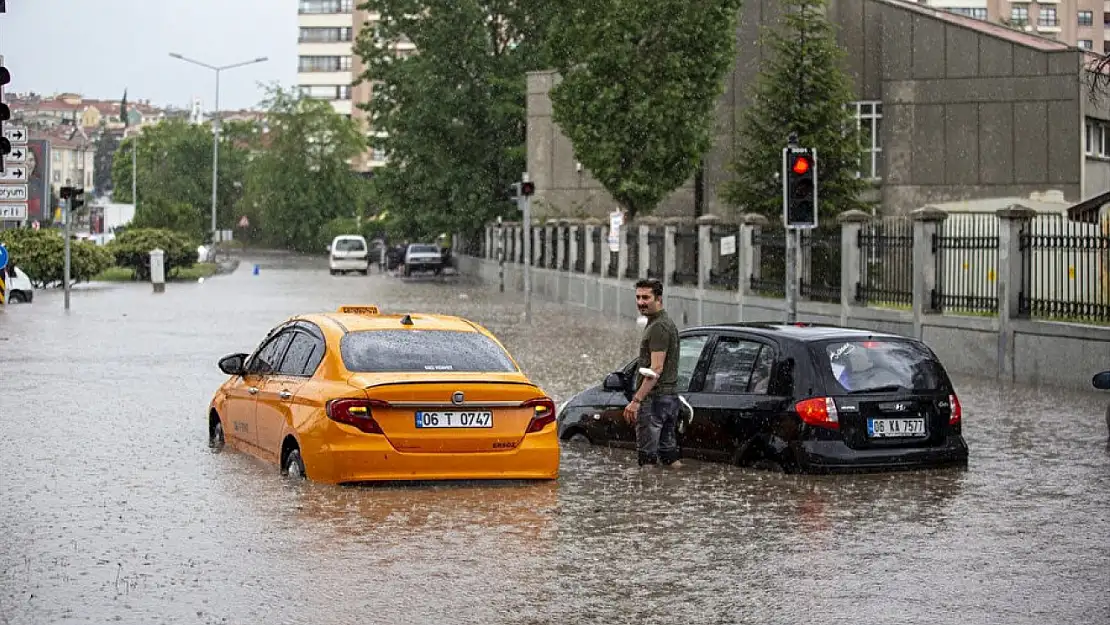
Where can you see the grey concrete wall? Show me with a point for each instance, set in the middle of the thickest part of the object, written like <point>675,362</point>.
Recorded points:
<point>1056,354</point>
<point>967,114</point>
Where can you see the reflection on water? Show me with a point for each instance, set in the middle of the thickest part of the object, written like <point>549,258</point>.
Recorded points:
<point>115,510</point>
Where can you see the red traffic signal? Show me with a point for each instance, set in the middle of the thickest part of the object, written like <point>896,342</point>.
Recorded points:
<point>801,165</point>
<point>527,188</point>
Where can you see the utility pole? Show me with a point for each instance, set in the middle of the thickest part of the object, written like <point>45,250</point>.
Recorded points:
<point>71,201</point>
<point>791,285</point>
<point>523,191</point>
<point>500,256</point>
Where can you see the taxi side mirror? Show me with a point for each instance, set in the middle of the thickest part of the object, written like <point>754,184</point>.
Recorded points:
<point>1101,381</point>
<point>614,382</point>
<point>234,364</point>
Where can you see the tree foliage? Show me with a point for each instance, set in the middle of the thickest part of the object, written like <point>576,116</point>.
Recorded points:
<point>452,115</point>
<point>132,249</point>
<point>41,254</point>
<point>107,142</point>
<point>300,176</point>
<point>801,88</point>
<point>174,163</point>
<point>640,83</point>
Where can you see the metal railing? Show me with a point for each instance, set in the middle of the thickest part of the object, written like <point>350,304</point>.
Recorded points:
<point>771,241</point>
<point>579,249</point>
<point>632,240</point>
<point>724,272</point>
<point>886,263</point>
<point>1066,270</point>
<point>820,276</point>
<point>595,243</point>
<point>966,251</point>
<point>686,256</point>
<point>656,252</point>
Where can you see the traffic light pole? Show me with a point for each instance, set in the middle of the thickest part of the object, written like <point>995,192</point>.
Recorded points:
<point>526,209</point>
<point>500,257</point>
<point>66,268</point>
<point>792,245</point>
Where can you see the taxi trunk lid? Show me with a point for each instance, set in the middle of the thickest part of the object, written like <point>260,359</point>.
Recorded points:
<point>452,413</point>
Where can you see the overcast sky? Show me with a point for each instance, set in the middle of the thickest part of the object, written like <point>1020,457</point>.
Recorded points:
<point>99,47</point>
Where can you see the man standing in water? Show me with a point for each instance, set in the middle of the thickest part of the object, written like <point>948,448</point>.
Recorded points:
<point>655,405</point>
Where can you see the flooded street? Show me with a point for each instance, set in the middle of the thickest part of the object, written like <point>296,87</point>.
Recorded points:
<point>115,510</point>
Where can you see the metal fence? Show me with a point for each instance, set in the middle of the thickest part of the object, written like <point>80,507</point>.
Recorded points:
<point>724,270</point>
<point>1066,267</point>
<point>656,252</point>
<point>632,241</point>
<point>966,250</point>
<point>886,263</point>
<point>686,256</point>
<point>771,280</point>
<point>599,253</point>
<point>820,275</point>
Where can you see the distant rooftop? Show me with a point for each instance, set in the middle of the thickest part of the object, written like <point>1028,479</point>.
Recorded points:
<point>997,30</point>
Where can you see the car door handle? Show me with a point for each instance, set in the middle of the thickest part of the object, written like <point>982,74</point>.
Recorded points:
<point>285,395</point>
<point>253,390</point>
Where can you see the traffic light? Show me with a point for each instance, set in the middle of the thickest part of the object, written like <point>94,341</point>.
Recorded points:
<point>5,114</point>
<point>800,187</point>
<point>527,188</point>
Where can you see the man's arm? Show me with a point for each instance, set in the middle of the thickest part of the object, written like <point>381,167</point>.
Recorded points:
<point>657,360</point>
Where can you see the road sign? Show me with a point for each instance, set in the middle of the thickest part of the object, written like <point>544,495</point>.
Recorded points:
<point>13,193</point>
<point>18,156</point>
<point>16,134</point>
<point>3,256</point>
<point>616,220</point>
<point>13,174</point>
<point>13,212</point>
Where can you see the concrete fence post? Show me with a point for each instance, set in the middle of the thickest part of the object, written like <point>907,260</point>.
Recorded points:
<point>747,264</point>
<point>560,244</point>
<point>851,225</point>
<point>591,251</point>
<point>158,270</point>
<point>622,253</point>
<point>927,223</point>
<point>1013,281</point>
<point>670,249</point>
<point>550,235</point>
<point>706,257</point>
<point>643,241</point>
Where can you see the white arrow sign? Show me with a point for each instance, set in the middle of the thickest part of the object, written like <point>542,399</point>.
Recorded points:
<point>14,173</point>
<point>13,193</point>
<point>17,156</point>
<point>13,212</point>
<point>16,134</point>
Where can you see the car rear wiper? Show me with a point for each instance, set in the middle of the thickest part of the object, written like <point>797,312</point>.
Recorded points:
<point>890,388</point>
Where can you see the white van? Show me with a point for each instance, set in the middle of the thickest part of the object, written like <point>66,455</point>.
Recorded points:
<point>349,252</point>
<point>18,285</point>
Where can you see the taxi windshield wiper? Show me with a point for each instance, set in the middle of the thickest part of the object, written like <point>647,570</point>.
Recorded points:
<point>890,388</point>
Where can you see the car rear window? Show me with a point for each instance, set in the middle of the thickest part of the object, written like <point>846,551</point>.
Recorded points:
<point>349,245</point>
<point>425,249</point>
<point>423,350</point>
<point>860,366</point>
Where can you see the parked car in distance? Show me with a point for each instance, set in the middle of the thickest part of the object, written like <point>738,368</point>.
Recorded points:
<point>799,397</point>
<point>423,257</point>
<point>359,396</point>
<point>18,286</point>
<point>1101,381</point>
<point>349,252</point>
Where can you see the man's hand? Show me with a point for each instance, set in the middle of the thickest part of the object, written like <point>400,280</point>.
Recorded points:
<point>631,411</point>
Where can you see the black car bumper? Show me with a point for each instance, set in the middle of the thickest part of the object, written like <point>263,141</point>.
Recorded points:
<point>837,457</point>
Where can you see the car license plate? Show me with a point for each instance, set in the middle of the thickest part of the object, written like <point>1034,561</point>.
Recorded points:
<point>454,419</point>
<point>895,428</point>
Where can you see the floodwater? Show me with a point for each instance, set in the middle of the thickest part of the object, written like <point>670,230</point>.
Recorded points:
<point>114,509</point>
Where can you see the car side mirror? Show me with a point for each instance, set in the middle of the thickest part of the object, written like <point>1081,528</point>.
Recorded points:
<point>614,382</point>
<point>234,364</point>
<point>1101,381</point>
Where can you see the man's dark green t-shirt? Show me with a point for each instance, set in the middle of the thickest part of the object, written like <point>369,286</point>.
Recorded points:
<point>661,335</point>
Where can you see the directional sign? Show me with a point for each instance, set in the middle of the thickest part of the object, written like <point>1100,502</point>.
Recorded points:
<point>16,134</point>
<point>13,212</point>
<point>18,156</point>
<point>13,193</point>
<point>13,174</point>
<point>3,256</point>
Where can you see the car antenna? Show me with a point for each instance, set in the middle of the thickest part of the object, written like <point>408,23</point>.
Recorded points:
<point>406,320</point>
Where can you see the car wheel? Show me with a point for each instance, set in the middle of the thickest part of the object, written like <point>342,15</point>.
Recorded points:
<point>17,297</point>
<point>215,433</point>
<point>294,466</point>
<point>334,272</point>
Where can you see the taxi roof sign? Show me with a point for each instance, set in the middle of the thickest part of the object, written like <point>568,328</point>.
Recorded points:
<point>360,310</point>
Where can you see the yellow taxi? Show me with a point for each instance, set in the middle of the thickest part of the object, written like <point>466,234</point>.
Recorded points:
<point>358,396</point>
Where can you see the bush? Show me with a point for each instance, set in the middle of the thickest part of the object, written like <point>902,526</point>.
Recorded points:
<point>41,254</point>
<point>132,250</point>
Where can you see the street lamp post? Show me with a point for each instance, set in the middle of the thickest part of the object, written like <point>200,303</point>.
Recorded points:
<point>216,125</point>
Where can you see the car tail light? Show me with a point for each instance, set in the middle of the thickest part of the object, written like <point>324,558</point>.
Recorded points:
<point>543,413</point>
<point>356,412</point>
<point>957,413</point>
<point>819,411</point>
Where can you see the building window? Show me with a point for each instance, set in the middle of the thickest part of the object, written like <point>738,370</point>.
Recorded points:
<point>1086,18</point>
<point>377,155</point>
<point>326,92</point>
<point>977,13</point>
<point>1048,18</point>
<point>326,35</point>
<point>324,64</point>
<point>311,7</point>
<point>1019,16</point>
<point>1097,138</point>
<point>1086,44</point>
<point>869,122</point>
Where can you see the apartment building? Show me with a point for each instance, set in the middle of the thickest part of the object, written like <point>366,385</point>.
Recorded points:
<point>1080,23</point>
<point>328,66</point>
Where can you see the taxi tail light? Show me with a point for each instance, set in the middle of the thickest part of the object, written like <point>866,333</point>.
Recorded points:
<point>543,413</point>
<point>356,412</point>
<point>819,411</point>
<point>957,413</point>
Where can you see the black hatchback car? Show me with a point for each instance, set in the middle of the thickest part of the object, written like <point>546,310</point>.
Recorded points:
<point>796,397</point>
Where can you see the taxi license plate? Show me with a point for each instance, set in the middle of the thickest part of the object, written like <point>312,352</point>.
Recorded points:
<point>454,419</point>
<point>895,428</point>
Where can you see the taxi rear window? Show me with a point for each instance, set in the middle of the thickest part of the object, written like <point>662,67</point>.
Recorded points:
<point>423,350</point>
<point>884,365</point>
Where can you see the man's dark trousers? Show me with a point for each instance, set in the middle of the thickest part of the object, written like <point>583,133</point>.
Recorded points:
<point>656,430</point>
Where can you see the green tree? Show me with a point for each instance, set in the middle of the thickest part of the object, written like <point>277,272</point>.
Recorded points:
<point>452,115</point>
<point>300,176</point>
<point>107,142</point>
<point>41,254</point>
<point>640,83</point>
<point>801,88</point>
<point>174,162</point>
<point>132,249</point>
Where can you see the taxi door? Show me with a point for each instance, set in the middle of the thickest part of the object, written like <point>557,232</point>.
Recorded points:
<point>260,367</point>
<point>278,398</point>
